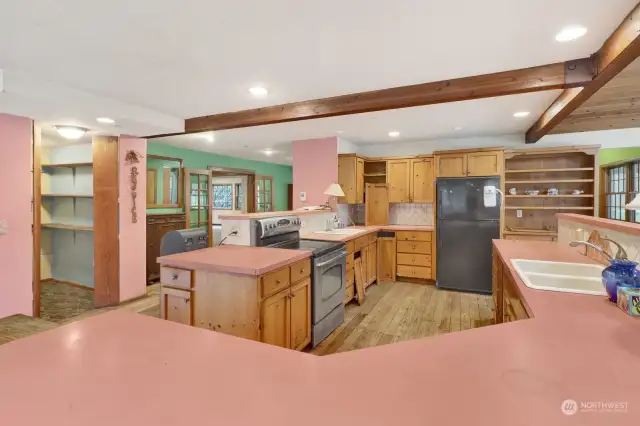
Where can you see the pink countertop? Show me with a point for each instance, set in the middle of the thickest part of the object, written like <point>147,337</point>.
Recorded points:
<point>243,260</point>
<point>133,370</point>
<point>248,216</point>
<point>614,225</point>
<point>366,230</point>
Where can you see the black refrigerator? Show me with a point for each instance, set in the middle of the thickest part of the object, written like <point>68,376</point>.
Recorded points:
<point>464,231</point>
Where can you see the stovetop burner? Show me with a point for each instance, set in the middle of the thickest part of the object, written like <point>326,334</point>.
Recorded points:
<point>318,248</point>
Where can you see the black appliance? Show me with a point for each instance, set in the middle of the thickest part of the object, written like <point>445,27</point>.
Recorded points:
<point>465,228</point>
<point>175,242</point>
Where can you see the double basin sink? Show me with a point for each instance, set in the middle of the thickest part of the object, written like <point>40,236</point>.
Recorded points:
<point>560,276</point>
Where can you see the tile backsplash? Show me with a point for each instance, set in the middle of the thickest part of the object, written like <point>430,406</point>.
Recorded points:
<point>399,214</point>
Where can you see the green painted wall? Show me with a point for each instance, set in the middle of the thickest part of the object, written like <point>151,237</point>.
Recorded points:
<point>282,175</point>
<point>613,155</point>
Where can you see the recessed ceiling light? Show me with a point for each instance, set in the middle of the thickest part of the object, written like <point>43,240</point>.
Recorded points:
<point>105,120</point>
<point>258,91</point>
<point>394,134</point>
<point>209,137</point>
<point>521,114</point>
<point>571,33</point>
<point>268,152</point>
<point>71,132</point>
<point>457,128</point>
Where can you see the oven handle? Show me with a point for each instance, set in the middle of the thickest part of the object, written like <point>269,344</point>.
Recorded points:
<point>333,259</point>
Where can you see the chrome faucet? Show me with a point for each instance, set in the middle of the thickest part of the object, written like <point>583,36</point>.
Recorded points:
<point>621,254</point>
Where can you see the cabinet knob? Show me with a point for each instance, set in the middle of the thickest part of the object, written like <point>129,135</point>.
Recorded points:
<point>413,246</point>
<point>175,276</point>
<point>302,270</point>
<point>277,281</point>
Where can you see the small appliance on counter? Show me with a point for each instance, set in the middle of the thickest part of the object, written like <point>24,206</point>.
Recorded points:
<point>175,242</point>
<point>328,270</point>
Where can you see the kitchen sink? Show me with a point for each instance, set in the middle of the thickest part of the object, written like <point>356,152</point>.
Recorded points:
<point>561,276</point>
<point>342,232</point>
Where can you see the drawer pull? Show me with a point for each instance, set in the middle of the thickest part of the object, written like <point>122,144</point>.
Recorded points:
<point>301,270</point>
<point>277,281</point>
<point>413,247</point>
<point>175,276</point>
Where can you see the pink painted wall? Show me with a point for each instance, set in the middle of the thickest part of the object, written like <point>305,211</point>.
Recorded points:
<point>16,248</point>
<point>315,167</point>
<point>133,236</point>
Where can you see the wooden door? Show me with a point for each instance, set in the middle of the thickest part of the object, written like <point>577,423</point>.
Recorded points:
<point>377,204</point>
<point>386,259</point>
<point>372,263</point>
<point>422,177</point>
<point>301,314</point>
<point>484,163</point>
<point>398,174</point>
<point>198,205</point>
<point>276,320</point>
<point>451,165</point>
<point>347,179</point>
<point>359,180</point>
<point>152,187</point>
<point>176,306</point>
<point>264,194</point>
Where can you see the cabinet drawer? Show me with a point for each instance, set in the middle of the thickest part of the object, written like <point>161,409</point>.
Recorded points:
<point>176,305</point>
<point>414,272</point>
<point>413,236</point>
<point>411,247</point>
<point>156,220</point>
<point>174,277</point>
<point>414,259</point>
<point>360,243</point>
<point>350,276</point>
<point>274,281</point>
<point>350,246</point>
<point>349,294</point>
<point>300,270</point>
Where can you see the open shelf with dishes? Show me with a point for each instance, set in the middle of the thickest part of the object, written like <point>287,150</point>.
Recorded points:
<point>542,182</point>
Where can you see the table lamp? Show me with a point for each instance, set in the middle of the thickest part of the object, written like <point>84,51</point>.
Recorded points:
<point>334,190</point>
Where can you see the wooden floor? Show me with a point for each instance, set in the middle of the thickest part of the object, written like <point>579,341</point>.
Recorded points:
<point>398,311</point>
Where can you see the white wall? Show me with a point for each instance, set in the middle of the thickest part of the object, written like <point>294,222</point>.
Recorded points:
<point>346,147</point>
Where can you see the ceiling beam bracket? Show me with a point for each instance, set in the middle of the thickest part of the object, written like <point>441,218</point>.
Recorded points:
<point>579,72</point>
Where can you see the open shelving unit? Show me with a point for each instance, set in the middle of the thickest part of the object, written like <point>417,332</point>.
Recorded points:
<point>375,172</point>
<point>566,169</point>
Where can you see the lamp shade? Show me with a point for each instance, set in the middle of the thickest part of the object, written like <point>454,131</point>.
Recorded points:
<point>634,204</point>
<point>334,190</point>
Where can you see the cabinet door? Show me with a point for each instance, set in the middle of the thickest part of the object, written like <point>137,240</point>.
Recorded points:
<point>176,306</point>
<point>372,263</point>
<point>301,314</point>
<point>347,179</point>
<point>276,319</point>
<point>422,177</point>
<point>376,209</point>
<point>359,181</point>
<point>386,259</point>
<point>398,173</point>
<point>484,163</point>
<point>364,255</point>
<point>451,165</point>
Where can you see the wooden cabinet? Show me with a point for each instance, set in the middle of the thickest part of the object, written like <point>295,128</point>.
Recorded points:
<point>300,301</point>
<point>470,163</point>
<point>157,226</point>
<point>377,205</point>
<point>372,263</point>
<point>398,178</point>
<point>414,254</point>
<point>506,297</point>
<point>386,259</point>
<point>422,180</point>
<point>276,319</point>
<point>176,305</point>
<point>451,165</point>
<point>351,179</point>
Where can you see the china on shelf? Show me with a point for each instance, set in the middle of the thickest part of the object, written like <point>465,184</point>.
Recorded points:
<point>512,191</point>
<point>531,191</point>
<point>577,192</point>
<point>553,191</point>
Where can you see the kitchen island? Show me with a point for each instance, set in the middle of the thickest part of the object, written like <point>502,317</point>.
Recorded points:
<point>261,294</point>
<point>575,347</point>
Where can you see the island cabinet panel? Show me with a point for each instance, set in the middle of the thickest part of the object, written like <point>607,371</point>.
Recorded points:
<point>276,319</point>
<point>300,314</point>
<point>509,304</point>
<point>176,305</point>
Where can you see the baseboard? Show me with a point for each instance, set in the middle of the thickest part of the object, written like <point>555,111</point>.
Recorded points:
<point>53,280</point>
<point>415,280</point>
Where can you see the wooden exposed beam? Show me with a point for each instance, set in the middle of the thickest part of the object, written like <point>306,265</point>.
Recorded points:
<point>618,52</point>
<point>545,77</point>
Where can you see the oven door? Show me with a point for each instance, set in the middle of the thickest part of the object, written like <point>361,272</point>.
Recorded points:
<point>329,281</point>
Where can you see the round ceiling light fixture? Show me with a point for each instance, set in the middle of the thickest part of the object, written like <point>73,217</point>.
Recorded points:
<point>521,114</point>
<point>105,120</point>
<point>394,134</point>
<point>71,132</point>
<point>209,137</point>
<point>571,33</point>
<point>258,91</point>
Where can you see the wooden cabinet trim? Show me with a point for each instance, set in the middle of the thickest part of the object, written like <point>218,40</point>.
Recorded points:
<point>275,281</point>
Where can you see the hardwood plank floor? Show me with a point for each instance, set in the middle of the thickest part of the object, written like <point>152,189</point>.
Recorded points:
<point>393,312</point>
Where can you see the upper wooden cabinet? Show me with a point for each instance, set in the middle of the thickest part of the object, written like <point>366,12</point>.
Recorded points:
<point>376,209</point>
<point>398,177</point>
<point>469,163</point>
<point>422,177</point>
<point>351,179</point>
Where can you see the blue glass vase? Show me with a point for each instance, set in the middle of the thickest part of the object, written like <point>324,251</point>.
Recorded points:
<point>621,273</point>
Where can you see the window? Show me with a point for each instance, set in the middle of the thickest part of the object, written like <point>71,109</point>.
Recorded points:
<point>264,193</point>
<point>621,185</point>
<point>223,196</point>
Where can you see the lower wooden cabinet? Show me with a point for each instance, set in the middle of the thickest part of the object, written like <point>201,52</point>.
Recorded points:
<point>506,297</point>
<point>176,305</point>
<point>276,319</point>
<point>300,301</point>
<point>372,263</point>
<point>386,259</point>
<point>414,254</point>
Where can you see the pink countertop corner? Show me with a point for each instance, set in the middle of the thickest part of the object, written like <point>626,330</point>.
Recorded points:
<point>614,225</point>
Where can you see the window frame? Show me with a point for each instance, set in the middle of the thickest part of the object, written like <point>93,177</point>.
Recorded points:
<point>213,198</point>
<point>630,190</point>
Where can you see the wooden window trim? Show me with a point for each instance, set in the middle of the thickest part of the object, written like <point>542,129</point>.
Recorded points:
<point>628,166</point>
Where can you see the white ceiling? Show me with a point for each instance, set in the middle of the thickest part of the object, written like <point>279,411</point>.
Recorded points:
<point>149,64</point>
